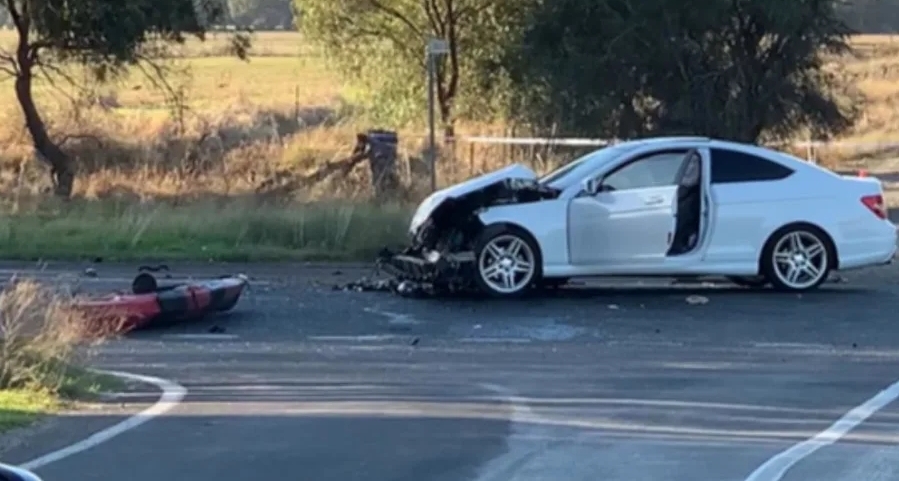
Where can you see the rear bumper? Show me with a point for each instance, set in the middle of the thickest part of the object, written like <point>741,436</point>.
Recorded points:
<point>874,251</point>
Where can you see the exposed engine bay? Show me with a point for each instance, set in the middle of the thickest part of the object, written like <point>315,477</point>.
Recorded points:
<point>441,253</point>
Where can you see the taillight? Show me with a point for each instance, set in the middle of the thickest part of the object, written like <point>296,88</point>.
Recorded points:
<point>875,204</point>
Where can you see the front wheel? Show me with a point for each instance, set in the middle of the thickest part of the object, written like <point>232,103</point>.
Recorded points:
<point>797,258</point>
<point>508,261</point>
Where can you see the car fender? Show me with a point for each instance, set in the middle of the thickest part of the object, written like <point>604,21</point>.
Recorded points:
<point>546,220</point>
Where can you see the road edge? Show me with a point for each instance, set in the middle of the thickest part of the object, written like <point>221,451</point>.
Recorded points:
<point>171,396</point>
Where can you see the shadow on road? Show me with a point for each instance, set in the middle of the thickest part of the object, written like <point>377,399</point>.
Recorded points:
<point>657,292</point>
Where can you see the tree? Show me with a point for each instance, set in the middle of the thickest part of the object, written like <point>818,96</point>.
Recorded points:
<point>873,16</point>
<point>105,36</point>
<point>735,68</point>
<point>261,13</point>
<point>380,47</point>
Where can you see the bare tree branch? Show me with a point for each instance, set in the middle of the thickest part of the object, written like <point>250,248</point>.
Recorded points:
<point>157,74</point>
<point>397,15</point>
<point>408,50</point>
<point>50,72</point>
<point>19,19</point>
<point>11,67</point>
<point>435,18</point>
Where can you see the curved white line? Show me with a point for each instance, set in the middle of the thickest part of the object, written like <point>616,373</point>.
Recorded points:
<point>775,468</point>
<point>172,394</point>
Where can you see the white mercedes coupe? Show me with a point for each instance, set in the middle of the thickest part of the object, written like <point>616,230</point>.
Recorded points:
<point>670,206</point>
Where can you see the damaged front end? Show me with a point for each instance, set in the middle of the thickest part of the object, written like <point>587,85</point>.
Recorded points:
<point>446,226</point>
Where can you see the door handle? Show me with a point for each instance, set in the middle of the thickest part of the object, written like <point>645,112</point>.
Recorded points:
<point>655,200</point>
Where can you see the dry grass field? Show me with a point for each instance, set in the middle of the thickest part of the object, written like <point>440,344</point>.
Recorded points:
<point>162,178</point>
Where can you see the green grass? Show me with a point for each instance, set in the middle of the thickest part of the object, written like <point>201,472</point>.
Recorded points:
<point>23,406</point>
<point>232,231</point>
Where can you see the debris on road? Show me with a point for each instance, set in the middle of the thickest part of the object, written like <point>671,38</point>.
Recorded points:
<point>150,303</point>
<point>697,300</point>
<point>837,279</point>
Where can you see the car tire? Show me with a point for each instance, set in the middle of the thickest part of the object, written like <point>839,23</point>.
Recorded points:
<point>507,261</point>
<point>752,282</point>
<point>797,258</point>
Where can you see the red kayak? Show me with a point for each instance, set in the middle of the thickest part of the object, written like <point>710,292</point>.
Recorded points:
<point>150,303</point>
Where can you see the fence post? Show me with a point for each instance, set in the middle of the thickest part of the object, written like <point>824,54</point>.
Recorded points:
<point>382,146</point>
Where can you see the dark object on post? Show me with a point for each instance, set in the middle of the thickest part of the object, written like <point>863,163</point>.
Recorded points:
<point>379,147</point>
<point>382,154</point>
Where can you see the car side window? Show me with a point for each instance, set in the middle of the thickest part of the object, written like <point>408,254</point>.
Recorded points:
<point>654,170</point>
<point>730,166</point>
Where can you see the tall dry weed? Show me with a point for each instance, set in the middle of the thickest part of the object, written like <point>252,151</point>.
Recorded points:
<point>39,336</point>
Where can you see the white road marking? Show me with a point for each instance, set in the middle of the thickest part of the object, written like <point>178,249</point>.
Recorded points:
<point>775,468</point>
<point>394,318</point>
<point>362,338</point>
<point>514,340</point>
<point>520,443</point>
<point>793,345</point>
<point>172,394</point>
<point>201,337</point>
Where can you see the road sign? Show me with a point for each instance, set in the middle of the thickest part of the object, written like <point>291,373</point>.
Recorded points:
<point>438,46</point>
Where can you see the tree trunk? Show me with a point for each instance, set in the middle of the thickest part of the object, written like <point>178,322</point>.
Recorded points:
<point>60,163</point>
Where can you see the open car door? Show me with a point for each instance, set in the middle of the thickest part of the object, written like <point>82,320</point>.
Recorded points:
<point>687,206</point>
<point>625,222</point>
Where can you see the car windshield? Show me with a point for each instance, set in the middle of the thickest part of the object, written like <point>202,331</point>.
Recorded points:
<point>566,174</point>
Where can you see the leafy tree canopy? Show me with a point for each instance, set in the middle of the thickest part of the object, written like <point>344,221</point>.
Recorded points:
<point>734,68</point>
<point>106,36</point>
<point>380,46</point>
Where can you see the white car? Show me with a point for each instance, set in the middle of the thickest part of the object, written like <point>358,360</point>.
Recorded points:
<point>670,206</point>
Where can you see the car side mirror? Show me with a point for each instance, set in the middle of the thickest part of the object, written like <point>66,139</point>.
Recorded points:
<point>591,186</point>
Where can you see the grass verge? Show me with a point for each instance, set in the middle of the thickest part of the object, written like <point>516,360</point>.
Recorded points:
<point>20,407</point>
<point>225,231</point>
<point>40,337</point>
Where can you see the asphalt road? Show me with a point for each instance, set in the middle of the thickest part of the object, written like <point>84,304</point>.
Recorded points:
<point>612,381</point>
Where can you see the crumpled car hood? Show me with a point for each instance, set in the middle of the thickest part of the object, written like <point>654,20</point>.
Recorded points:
<point>515,172</point>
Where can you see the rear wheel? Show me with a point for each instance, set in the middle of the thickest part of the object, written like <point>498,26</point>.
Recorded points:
<point>753,282</point>
<point>508,261</point>
<point>797,258</point>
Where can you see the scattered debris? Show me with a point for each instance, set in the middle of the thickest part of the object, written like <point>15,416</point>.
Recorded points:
<point>837,279</point>
<point>368,285</point>
<point>156,268</point>
<point>697,300</point>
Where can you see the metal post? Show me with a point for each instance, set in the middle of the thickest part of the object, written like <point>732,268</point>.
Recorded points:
<point>434,48</point>
<point>432,136</point>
